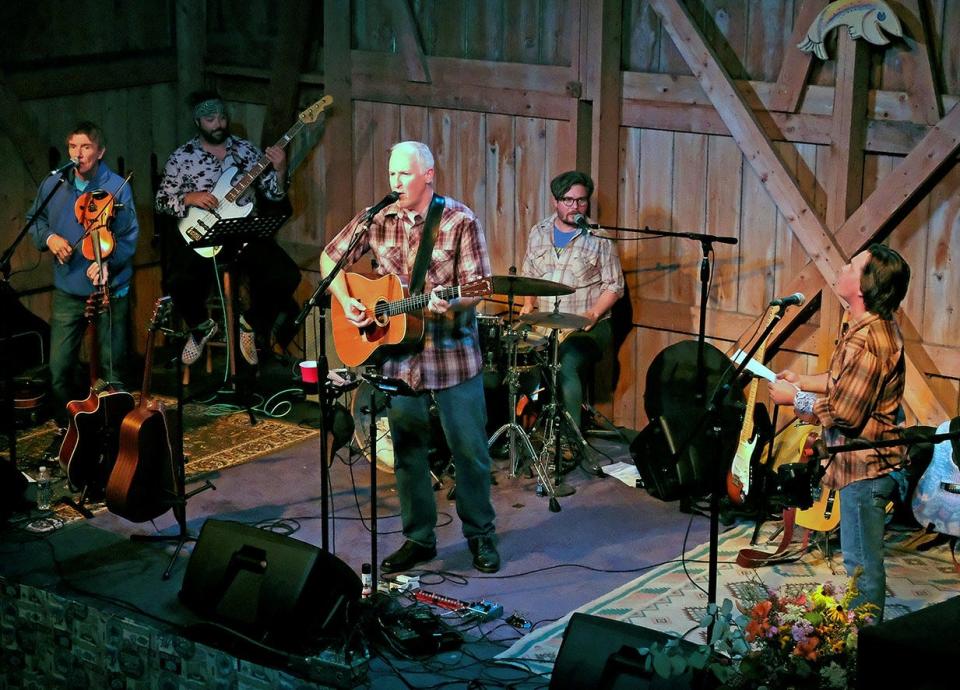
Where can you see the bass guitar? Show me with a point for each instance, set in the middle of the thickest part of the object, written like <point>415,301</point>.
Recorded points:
<point>142,482</point>
<point>740,476</point>
<point>90,445</point>
<point>232,203</point>
<point>394,313</point>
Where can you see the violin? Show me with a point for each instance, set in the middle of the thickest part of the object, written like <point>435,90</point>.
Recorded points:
<point>94,211</point>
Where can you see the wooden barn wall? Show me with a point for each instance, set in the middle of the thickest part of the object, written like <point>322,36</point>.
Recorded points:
<point>676,169</point>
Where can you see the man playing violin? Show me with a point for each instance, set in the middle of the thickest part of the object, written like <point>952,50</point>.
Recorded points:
<point>76,277</point>
<point>559,249</point>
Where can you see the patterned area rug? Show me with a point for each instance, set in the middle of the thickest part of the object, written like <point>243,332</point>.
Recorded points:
<point>211,444</point>
<point>664,599</point>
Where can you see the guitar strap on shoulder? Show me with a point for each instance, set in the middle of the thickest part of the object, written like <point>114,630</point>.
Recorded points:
<point>430,226</point>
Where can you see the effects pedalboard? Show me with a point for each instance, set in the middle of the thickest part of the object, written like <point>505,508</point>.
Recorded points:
<point>481,610</point>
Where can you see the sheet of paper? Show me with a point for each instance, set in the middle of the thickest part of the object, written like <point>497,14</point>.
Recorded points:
<point>625,472</point>
<point>755,368</point>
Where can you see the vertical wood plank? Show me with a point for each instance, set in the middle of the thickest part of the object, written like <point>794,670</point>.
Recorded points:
<point>656,209</point>
<point>756,245</point>
<point>625,400</point>
<point>723,192</point>
<point>500,172</point>
<point>689,213</point>
<point>531,189</point>
<point>942,272</point>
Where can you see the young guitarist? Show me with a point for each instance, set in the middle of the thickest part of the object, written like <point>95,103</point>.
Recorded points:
<point>445,362</point>
<point>860,397</point>
<point>189,178</point>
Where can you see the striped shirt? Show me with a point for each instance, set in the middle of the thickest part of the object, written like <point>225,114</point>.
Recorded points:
<point>449,352</point>
<point>864,391</point>
<point>587,263</point>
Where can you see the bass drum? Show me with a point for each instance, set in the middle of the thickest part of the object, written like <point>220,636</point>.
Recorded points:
<point>439,451</point>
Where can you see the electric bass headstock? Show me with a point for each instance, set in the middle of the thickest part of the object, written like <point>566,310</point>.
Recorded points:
<point>310,115</point>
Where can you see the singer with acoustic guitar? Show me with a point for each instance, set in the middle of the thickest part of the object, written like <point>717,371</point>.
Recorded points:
<point>561,248</point>
<point>860,397</point>
<point>194,172</point>
<point>445,363</point>
<point>76,277</point>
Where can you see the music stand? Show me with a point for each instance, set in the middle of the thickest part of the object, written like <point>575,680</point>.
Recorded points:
<point>235,233</point>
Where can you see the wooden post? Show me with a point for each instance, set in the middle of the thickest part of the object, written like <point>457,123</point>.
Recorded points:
<point>338,136</point>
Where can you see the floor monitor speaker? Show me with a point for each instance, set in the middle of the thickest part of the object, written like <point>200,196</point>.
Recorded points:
<point>268,586</point>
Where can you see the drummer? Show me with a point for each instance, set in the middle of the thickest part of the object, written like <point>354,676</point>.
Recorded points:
<point>560,250</point>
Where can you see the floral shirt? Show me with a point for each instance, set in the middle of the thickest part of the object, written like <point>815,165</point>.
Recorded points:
<point>191,168</point>
<point>864,391</point>
<point>589,264</point>
<point>449,352</point>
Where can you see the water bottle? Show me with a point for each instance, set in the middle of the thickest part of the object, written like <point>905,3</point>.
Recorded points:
<point>43,489</point>
<point>366,580</point>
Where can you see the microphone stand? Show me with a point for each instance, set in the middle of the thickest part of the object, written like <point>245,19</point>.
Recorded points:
<point>323,369</point>
<point>8,254</point>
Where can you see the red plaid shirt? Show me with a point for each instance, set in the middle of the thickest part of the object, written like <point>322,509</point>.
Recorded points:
<point>449,352</point>
<point>864,391</point>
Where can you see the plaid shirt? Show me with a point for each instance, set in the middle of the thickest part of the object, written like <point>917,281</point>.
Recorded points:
<point>864,390</point>
<point>587,263</point>
<point>449,352</point>
<point>191,168</point>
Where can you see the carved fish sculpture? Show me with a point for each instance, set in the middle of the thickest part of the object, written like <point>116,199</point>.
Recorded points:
<point>863,18</point>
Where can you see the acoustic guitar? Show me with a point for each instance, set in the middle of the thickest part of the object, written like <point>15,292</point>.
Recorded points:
<point>142,482</point>
<point>90,445</point>
<point>233,203</point>
<point>394,311</point>
<point>795,445</point>
<point>936,500</point>
<point>745,460</point>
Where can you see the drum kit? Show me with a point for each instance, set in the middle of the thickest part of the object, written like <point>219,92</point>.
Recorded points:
<point>526,352</point>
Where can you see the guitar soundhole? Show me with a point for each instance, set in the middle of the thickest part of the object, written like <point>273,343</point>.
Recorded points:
<point>381,317</point>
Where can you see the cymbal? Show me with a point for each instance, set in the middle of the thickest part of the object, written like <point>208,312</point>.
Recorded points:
<point>555,319</point>
<point>528,287</point>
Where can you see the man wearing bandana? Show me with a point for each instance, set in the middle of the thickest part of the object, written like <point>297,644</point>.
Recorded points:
<point>190,174</point>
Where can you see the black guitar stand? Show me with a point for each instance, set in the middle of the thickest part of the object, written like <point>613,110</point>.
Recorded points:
<point>233,234</point>
<point>178,502</point>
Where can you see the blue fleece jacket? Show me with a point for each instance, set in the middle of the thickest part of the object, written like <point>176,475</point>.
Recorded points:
<point>59,218</point>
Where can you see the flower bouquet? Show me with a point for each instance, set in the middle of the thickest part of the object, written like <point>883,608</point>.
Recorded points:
<point>807,639</point>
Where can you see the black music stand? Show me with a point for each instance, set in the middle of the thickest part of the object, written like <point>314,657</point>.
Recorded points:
<point>234,234</point>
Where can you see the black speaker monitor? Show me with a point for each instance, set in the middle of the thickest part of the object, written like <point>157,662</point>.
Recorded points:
<point>268,586</point>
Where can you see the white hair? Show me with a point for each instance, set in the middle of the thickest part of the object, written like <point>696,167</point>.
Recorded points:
<point>418,150</point>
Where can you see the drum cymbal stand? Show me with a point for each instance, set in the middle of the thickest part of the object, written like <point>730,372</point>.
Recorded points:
<point>554,414</point>
<point>512,427</point>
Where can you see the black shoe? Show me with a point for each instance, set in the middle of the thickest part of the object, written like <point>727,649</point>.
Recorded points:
<point>407,556</point>
<point>485,556</point>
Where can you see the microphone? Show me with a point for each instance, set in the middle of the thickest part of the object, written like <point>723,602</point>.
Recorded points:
<point>796,299</point>
<point>384,202</point>
<point>72,163</point>
<point>580,221</point>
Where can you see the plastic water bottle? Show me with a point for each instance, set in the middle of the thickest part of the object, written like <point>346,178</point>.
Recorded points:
<point>43,489</point>
<point>366,580</point>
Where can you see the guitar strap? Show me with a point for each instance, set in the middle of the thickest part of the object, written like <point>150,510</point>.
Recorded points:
<point>754,558</point>
<point>430,226</point>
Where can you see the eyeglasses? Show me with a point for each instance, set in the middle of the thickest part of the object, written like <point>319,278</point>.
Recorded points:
<point>574,201</point>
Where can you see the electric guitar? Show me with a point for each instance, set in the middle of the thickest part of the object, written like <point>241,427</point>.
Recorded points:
<point>142,483</point>
<point>823,515</point>
<point>394,312</point>
<point>741,471</point>
<point>936,500</point>
<point>198,222</point>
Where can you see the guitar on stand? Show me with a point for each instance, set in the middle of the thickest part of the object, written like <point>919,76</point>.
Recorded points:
<point>745,462</point>
<point>90,446</point>
<point>234,201</point>
<point>142,484</point>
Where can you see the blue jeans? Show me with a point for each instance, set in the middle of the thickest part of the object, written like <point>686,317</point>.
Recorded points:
<point>577,355</point>
<point>463,417</point>
<point>862,521</point>
<point>67,325</point>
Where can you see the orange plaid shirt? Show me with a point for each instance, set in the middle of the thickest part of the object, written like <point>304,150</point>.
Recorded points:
<point>864,391</point>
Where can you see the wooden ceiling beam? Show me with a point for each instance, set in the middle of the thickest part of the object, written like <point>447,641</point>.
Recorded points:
<point>15,122</point>
<point>293,39</point>
<point>792,80</point>
<point>409,42</point>
<point>916,63</point>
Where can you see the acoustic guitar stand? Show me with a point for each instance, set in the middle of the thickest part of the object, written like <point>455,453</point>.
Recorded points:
<point>178,467</point>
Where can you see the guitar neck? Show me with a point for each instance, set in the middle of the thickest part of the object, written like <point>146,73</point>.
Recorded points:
<point>746,432</point>
<point>415,302</point>
<point>262,163</point>
<point>147,369</point>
